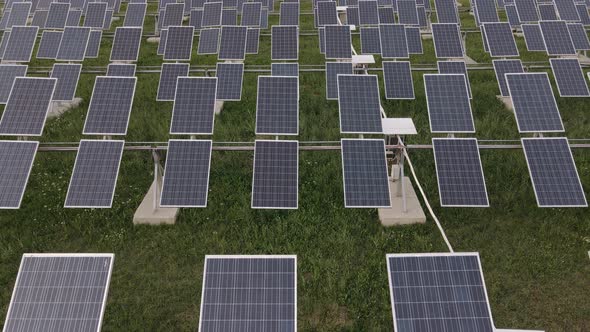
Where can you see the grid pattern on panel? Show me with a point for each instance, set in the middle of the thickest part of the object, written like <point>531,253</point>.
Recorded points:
<point>162,42</point>
<point>135,15</point>
<point>322,40</point>
<point>93,46</point>
<point>277,105</point>
<point>18,14</point>
<point>449,109</point>
<point>414,40</point>
<point>432,292</point>
<point>95,174</point>
<point>126,44</point>
<point>264,18</point>
<point>547,12</point>
<point>8,73</point>
<point>553,172</point>
<point>251,14</point>
<point>60,292</point>
<point>16,161</point>
<point>486,11</point>
<point>447,40</point>
<point>39,19</point>
<point>57,15</point>
<point>110,106</point>
<point>446,11</point>
<point>406,12</point>
<point>49,44</point>
<point>67,76</point>
<point>252,40</point>
<point>567,10</point>
<point>229,17</point>
<point>230,3</point>
<point>229,81</point>
<point>569,77</point>
<point>276,178</point>
<point>359,104</point>
<point>386,15</point>
<point>19,46</point>
<point>534,104</point>
<point>455,67</point>
<point>27,106</point>
<point>557,38</point>
<point>261,290</point>
<point>212,14</point>
<point>533,37</point>
<point>500,40</point>
<point>186,176</point>
<point>460,175</point>
<point>289,13</point>
<point>583,13</point>
<point>368,12</point>
<point>179,43</point>
<point>423,20</point>
<point>73,44</point>
<point>208,41</point>
<point>194,106</point>
<point>370,40</point>
<point>173,15</point>
<point>73,19</point>
<point>95,15</point>
<point>527,10</point>
<point>337,41</point>
<point>366,183</point>
<point>579,36</point>
<point>326,13</point>
<point>196,19</point>
<point>352,16</point>
<point>502,67</point>
<point>285,69</point>
<point>333,69</point>
<point>512,15</point>
<point>397,76</point>
<point>393,41</point>
<point>4,19</point>
<point>168,77</point>
<point>285,43</point>
<point>232,44</point>
<point>122,70</point>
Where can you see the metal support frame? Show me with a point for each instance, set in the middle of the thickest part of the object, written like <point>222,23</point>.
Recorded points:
<point>158,177</point>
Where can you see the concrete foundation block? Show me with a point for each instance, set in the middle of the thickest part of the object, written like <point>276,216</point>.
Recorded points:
<point>146,214</point>
<point>60,107</point>
<point>396,215</point>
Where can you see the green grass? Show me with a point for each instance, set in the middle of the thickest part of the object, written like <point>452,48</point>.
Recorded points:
<point>535,260</point>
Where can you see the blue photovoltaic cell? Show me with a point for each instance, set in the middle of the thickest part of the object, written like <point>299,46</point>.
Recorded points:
<point>359,104</point>
<point>414,40</point>
<point>110,106</point>
<point>370,40</point>
<point>229,81</point>
<point>368,12</point>
<point>533,37</point>
<point>486,11</point>
<point>8,73</point>
<point>337,42</point>
<point>49,44</point>
<point>502,67</point>
<point>277,105</point>
<point>16,161</point>
<point>333,69</point>
<point>557,38</point>
<point>393,41</point>
<point>447,40</point>
<point>209,41</point>
<point>194,106</point>
<point>527,10</point>
<point>454,67</point>
<point>569,78</point>
<point>232,44</point>
<point>449,109</point>
<point>446,11</point>
<point>500,40</point>
<point>406,11</point>
<point>397,76</point>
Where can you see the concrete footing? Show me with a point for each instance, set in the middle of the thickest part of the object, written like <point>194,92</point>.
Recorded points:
<point>146,214</point>
<point>469,61</point>
<point>60,107</point>
<point>218,106</point>
<point>396,215</point>
<point>507,102</point>
<point>153,40</point>
<point>583,59</point>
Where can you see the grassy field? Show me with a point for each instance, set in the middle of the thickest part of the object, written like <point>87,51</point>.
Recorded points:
<point>535,260</point>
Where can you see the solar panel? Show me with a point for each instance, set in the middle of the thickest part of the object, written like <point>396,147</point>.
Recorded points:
<point>338,42</point>
<point>168,77</point>
<point>67,76</point>
<point>502,67</point>
<point>194,106</point>
<point>186,176</point>
<point>232,45</point>
<point>38,20</point>
<point>118,69</point>
<point>4,19</point>
<point>95,173</point>
<point>352,16</point>
<point>179,43</point>
<point>359,104</point>
<point>512,16</point>
<point>74,16</point>
<point>229,17</point>
<point>4,42</point>
<point>569,77</point>
<point>196,19</point>
<point>251,14</point>
<point>386,15</point>
<point>533,37</point>
<point>229,81</point>
<point>459,172</point>
<point>527,10</point>
<point>567,10</point>
<point>16,161</point>
<point>326,13</point>
<point>285,69</point>
<point>500,40</point>
<point>252,40</point>
<point>162,42</point>
<point>447,40</point>
<point>583,13</point>
<point>57,15</point>
<point>8,73</point>
<point>406,12</point>
<point>126,44</point>
<point>393,41</point>
<point>173,15</point>
<point>230,3</point>
<point>49,44</point>
<point>322,40</point>
<point>267,301</point>
<point>93,46</point>
<point>110,106</point>
<point>547,12</point>
<point>449,109</point>
<point>27,106</point>
<point>446,11</point>
<point>19,14</point>
<point>264,18</point>
<point>368,12</point>
<point>333,69</point>
<point>366,184</point>
<point>557,38</point>
<point>397,77</point>
<point>95,15</point>
<point>135,15</point>
<point>455,67</point>
<point>208,41</point>
<point>289,14</point>
<point>277,105</point>
<point>486,11</point>
<point>21,41</point>
<point>438,291</point>
<point>285,43</point>
<point>414,40</point>
<point>73,44</point>
<point>370,40</point>
<point>423,21</point>
<point>579,36</point>
<point>212,14</point>
<point>553,172</point>
<point>534,104</point>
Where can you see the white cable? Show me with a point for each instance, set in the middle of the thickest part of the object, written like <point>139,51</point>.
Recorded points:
<point>442,231</point>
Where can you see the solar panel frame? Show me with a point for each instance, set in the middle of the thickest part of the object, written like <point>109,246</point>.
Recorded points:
<point>196,19</point>
<point>393,39</point>
<point>206,39</point>
<point>567,10</point>
<point>73,44</point>
<point>232,43</point>
<point>212,14</point>
<point>569,78</point>
<point>486,11</point>
<point>500,40</point>
<point>19,14</point>
<point>193,112</point>
<point>557,38</point>
<point>414,40</point>
<point>270,194</point>
<point>444,117</point>
<point>173,15</point>
<point>368,12</point>
<point>326,13</point>
<point>406,12</point>
<point>4,43</point>
<point>352,16</point>
<point>386,15</point>
<point>283,38</point>
<point>162,42</point>
<point>126,44</point>
<point>289,13</point>
<point>120,69</point>
<point>106,121</point>
<point>38,20</point>
<point>547,12</point>
<point>103,183</point>
<point>179,43</point>
<point>57,15</point>
<point>359,104</point>
<point>93,47</point>
<point>397,80</point>
<point>443,30</point>
<point>135,15</point>
<point>533,38</point>
<point>20,44</point>
<point>446,11</point>
<point>229,17</point>
<point>230,77</point>
<point>277,109</point>
<point>186,157</point>
<point>370,40</point>
<point>333,69</point>
<point>17,162</point>
<point>579,36</point>
<point>338,40</point>
<point>252,40</point>
<point>74,17</point>
<point>67,80</point>
<point>95,15</point>
<point>284,69</point>
<point>583,13</point>
<point>168,78</point>
<point>512,15</point>
<point>527,11</point>
<point>8,73</point>
<point>502,67</point>
<point>455,67</point>
<point>49,44</point>
<point>251,14</point>
<point>423,20</point>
